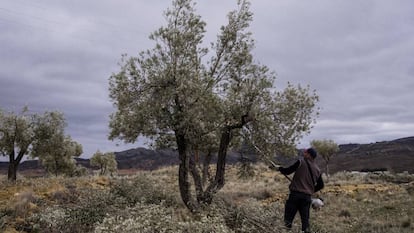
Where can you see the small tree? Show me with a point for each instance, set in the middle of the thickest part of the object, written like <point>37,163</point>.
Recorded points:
<point>16,136</point>
<point>25,133</point>
<point>105,161</point>
<point>61,159</point>
<point>58,152</point>
<point>326,149</point>
<point>78,171</point>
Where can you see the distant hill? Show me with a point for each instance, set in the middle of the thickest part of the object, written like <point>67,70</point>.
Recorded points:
<point>146,159</point>
<point>396,155</point>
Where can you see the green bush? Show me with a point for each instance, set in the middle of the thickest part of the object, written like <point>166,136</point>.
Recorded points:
<point>150,218</point>
<point>50,220</point>
<point>141,189</point>
<point>91,208</point>
<point>5,215</point>
<point>250,217</point>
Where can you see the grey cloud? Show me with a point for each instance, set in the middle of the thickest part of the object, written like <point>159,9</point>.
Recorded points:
<point>357,55</point>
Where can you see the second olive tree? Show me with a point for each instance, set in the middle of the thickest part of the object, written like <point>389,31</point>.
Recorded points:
<point>105,161</point>
<point>326,148</point>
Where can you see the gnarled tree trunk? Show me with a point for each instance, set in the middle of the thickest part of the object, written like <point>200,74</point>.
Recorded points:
<point>188,165</point>
<point>12,171</point>
<point>14,164</point>
<point>183,171</point>
<point>206,166</point>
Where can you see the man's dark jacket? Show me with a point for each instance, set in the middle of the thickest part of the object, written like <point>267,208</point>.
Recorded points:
<point>302,180</point>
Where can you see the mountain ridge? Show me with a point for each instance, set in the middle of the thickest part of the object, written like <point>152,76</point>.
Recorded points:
<point>395,155</point>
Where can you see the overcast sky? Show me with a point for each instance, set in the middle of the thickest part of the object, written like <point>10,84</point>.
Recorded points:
<point>357,54</point>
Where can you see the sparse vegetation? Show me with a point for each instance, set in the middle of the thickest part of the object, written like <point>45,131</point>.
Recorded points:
<point>150,202</point>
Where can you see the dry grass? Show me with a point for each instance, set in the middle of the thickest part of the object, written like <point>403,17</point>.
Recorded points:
<point>354,202</point>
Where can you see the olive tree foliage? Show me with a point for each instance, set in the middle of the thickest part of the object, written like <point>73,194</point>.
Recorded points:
<point>326,149</point>
<point>16,136</point>
<point>26,133</point>
<point>206,99</point>
<point>57,153</point>
<point>105,161</point>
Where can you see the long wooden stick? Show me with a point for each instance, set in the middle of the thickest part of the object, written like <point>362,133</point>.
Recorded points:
<point>266,158</point>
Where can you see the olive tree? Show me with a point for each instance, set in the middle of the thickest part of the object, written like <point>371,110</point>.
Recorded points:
<point>105,161</point>
<point>57,153</point>
<point>16,136</point>
<point>207,99</point>
<point>38,135</point>
<point>326,149</point>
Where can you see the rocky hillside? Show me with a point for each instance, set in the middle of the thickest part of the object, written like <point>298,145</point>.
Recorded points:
<point>141,158</point>
<point>396,155</point>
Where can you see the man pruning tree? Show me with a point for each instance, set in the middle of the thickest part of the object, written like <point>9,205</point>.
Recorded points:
<point>306,181</point>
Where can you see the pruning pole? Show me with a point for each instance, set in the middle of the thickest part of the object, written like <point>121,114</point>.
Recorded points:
<point>266,158</point>
<point>270,161</point>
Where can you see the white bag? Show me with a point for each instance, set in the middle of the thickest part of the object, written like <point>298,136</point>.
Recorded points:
<point>317,203</point>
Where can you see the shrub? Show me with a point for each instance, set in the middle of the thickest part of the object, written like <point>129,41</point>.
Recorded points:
<point>5,215</point>
<point>246,171</point>
<point>249,217</point>
<point>149,218</point>
<point>78,171</point>
<point>50,220</point>
<point>410,188</point>
<point>344,213</point>
<point>91,208</point>
<point>23,204</point>
<point>141,189</point>
<point>64,197</point>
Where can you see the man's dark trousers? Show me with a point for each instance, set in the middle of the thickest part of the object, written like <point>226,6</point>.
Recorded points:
<point>301,202</point>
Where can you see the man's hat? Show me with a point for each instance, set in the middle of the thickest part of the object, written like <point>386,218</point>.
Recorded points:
<point>312,152</point>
